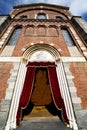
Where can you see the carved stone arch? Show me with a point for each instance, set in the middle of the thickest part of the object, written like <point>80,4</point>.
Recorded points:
<point>68,29</point>
<point>59,18</point>
<point>17,26</point>
<point>41,25</point>
<point>23,17</point>
<point>37,47</point>
<point>53,26</point>
<point>41,16</point>
<point>41,30</point>
<point>29,30</point>
<point>29,25</point>
<point>64,27</point>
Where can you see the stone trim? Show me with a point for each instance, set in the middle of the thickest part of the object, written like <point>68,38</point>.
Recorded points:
<point>63,59</point>
<point>4,37</point>
<point>80,43</point>
<point>7,51</point>
<point>64,89</point>
<point>5,103</point>
<point>10,59</point>
<point>32,49</point>
<point>11,81</point>
<point>73,91</point>
<point>73,59</point>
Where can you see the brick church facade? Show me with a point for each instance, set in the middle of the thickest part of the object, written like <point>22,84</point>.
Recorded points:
<point>42,33</point>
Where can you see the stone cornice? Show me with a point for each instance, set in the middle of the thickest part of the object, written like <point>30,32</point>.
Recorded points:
<point>40,4</point>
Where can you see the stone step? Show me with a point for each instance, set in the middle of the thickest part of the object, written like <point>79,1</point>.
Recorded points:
<point>41,119</point>
<point>42,123</point>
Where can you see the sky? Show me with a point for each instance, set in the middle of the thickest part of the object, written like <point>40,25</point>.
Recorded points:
<point>77,7</point>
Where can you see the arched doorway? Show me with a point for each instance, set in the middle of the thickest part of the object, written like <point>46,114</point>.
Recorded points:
<point>44,57</point>
<point>42,90</point>
<point>41,94</point>
<point>41,87</point>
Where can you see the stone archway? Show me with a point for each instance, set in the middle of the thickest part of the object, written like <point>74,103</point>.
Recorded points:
<point>44,53</point>
<point>53,52</point>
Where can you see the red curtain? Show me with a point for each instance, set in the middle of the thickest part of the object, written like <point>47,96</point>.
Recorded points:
<point>56,95</point>
<point>28,87</point>
<point>26,92</point>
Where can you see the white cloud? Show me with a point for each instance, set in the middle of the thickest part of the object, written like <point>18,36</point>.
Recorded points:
<point>57,2</point>
<point>78,7</point>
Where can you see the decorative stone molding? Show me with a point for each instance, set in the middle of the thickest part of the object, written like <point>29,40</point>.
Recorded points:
<point>29,51</point>
<point>62,59</point>
<point>73,59</point>
<point>10,59</point>
<point>4,37</point>
<point>79,41</point>
<point>66,95</point>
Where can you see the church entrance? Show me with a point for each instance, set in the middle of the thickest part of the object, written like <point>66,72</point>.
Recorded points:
<point>41,96</point>
<point>41,102</point>
<point>41,88</point>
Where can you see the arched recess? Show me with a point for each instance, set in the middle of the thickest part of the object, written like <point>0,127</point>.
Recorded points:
<point>53,30</point>
<point>29,30</point>
<point>41,30</point>
<point>44,47</point>
<point>11,121</point>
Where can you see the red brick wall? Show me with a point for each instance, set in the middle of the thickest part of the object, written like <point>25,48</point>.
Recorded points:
<point>4,76</point>
<point>25,41</point>
<point>79,71</point>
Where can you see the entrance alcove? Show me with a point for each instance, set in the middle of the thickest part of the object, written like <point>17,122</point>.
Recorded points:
<point>41,97</point>
<point>41,87</point>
